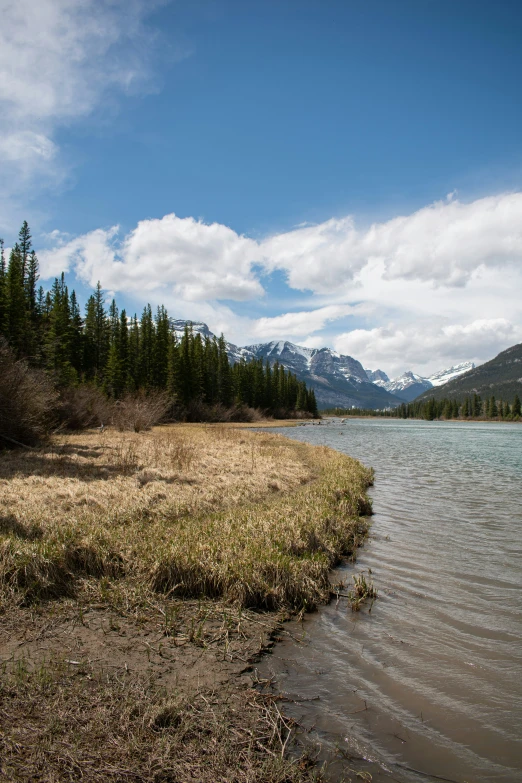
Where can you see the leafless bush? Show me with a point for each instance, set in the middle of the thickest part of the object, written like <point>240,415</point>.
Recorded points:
<point>84,406</point>
<point>140,411</point>
<point>27,401</point>
<point>199,411</point>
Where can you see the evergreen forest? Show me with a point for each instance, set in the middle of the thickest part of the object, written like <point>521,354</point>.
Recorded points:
<point>121,354</point>
<point>471,407</point>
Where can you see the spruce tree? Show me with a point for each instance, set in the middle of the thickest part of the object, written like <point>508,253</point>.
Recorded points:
<point>224,374</point>
<point>25,245</point>
<point>3,291</point>
<point>160,358</point>
<point>516,408</point>
<point>96,335</point>
<point>57,348</point>
<point>16,303</point>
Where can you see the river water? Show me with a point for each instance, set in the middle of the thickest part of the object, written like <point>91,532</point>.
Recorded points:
<point>428,685</point>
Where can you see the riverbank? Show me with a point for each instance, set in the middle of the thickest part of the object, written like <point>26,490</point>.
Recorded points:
<point>141,577</point>
<point>470,420</point>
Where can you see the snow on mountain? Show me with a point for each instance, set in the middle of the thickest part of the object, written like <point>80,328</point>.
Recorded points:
<point>338,380</point>
<point>294,354</point>
<point>408,386</point>
<point>235,353</point>
<point>378,377</point>
<point>439,378</point>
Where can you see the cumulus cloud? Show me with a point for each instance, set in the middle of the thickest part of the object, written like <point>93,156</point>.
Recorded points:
<point>429,345</point>
<point>439,285</point>
<point>58,58</point>
<point>443,243</point>
<point>182,256</point>
<point>299,323</point>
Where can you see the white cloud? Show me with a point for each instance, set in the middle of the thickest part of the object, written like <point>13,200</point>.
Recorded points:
<point>439,286</point>
<point>428,346</point>
<point>444,244</point>
<point>182,257</point>
<point>299,324</point>
<point>58,59</point>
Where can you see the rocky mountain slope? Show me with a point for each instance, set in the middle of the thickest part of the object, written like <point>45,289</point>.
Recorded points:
<point>235,352</point>
<point>409,385</point>
<point>501,377</point>
<point>339,381</point>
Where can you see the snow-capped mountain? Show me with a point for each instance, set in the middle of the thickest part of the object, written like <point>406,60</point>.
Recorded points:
<point>439,378</point>
<point>338,380</point>
<point>235,353</point>
<point>409,385</point>
<point>377,376</point>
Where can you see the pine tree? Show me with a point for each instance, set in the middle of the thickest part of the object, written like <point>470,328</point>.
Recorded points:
<point>16,303</point>
<point>57,348</point>
<point>312,404</point>
<point>123,350</point>
<point>516,408</point>
<point>146,353</point>
<point>134,354</point>
<point>224,374</point>
<point>76,334</point>
<point>96,335</point>
<point>25,245</point>
<point>31,279</point>
<point>3,291</point>
<point>160,357</point>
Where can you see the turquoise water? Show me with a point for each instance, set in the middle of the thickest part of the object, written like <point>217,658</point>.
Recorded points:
<point>431,680</point>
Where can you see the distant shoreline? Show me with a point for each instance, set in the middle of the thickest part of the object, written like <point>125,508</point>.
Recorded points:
<point>440,421</point>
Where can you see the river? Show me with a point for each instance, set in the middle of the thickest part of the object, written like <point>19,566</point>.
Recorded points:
<point>428,685</point>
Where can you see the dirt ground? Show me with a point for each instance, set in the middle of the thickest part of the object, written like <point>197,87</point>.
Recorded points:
<point>113,680</point>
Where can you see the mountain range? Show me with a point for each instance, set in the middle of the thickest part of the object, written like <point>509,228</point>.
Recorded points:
<point>339,381</point>
<point>500,377</point>
<point>408,386</point>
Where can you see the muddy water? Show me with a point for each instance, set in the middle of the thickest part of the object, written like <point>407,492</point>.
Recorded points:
<point>429,685</point>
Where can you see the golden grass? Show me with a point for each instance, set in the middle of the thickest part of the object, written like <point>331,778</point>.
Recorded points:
<point>199,511</point>
<point>132,526</point>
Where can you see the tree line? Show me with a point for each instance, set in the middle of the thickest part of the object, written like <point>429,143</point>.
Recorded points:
<point>123,354</point>
<point>471,407</point>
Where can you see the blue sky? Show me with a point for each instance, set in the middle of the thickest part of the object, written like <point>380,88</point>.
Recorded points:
<point>339,173</point>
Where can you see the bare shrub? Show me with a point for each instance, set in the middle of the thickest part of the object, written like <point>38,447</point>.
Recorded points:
<point>140,411</point>
<point>84,406</point>
<point>27,401</point>
<point>199,411</point>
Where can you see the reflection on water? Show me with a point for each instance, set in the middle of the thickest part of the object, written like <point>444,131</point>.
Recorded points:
<point>432,679</point>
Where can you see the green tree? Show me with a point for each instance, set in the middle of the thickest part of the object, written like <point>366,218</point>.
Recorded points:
<point>97,335</point>
<point>25,245</point>
<point>16,303</point>
<point>3,291</point>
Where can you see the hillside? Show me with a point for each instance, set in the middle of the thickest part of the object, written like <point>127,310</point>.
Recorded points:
<point>501,377</point>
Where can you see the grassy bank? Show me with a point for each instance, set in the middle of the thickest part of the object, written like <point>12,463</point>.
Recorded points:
<point>140,577</point>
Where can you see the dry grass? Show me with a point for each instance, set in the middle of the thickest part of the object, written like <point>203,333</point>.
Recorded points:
<point>180,510</point>
<point>109,726</point>
<point>128,677</point>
